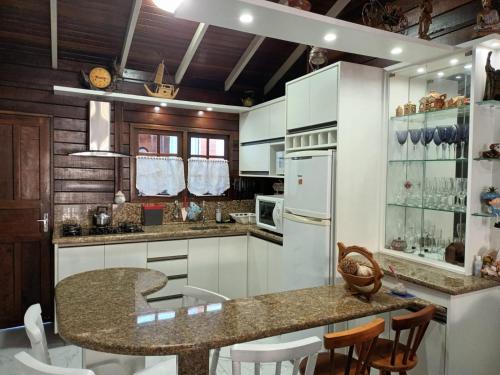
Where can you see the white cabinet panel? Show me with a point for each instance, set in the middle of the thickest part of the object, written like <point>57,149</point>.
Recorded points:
<point>254,125</point>
<point>277,123</point>
<point>233,266</point>
<point>275,268</point>
<point>254,158</point>
<point>203,263</point>
<point>323,97</point>
<point>297,104</point>
<point>173,287</point>
<point>162,249</point>
<point>170,267</point>
<point>72,260</point>
<point>126,255</point>
<point>257,266</point>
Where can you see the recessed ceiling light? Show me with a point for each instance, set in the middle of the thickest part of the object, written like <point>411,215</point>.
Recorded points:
<point>396,51</point>
<point>440,74</point>
<point>246,18</point>
<point>163,104</point>
<point>468,66</point>
<point>210,109</point>
<point>458,77</point>
<point>420,70</point>
<point>454,61</point>
<point>168,5</point>
<point>201,113</point>
<point>330,37</point>
<point>157,109</point>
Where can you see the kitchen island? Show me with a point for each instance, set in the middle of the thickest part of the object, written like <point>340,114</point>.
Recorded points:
<point>86,317</point>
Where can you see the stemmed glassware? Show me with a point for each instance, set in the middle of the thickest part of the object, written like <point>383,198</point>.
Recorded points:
<point>402,136</point>
<point>427,135</point>
<point>415,135</point>
<point>437,141</point>
<point>452,141</point>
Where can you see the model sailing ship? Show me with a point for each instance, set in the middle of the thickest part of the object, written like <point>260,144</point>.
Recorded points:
<point>160,89</point>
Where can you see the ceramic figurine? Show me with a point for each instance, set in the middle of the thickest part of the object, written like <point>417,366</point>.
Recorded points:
<point>493,152</point>
<point>492,87</point>
<point>120,197</point>
<point>425,19</point>
<point>487,20</point>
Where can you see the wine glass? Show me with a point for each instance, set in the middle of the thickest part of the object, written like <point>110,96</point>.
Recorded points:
<point>415,135</point>
<point>452,139</point>
<point>427,135</point>
<point>466,139</point>
<point>444,134</point>
<point>402,136</point>
<point>437,141</point>
<point>462,193</point>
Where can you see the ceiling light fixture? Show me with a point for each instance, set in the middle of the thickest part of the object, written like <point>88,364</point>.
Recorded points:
<point>420,70</point>
<point>454,61</point>
<point>458,77</point>
<point>246,18</point>
<point>157,109</point>
<point>468,66</point>
<point>201,113</point>
<point>163,104</point>
<point>210,109</point>
<point>396,51</point>
<point>168,5</point>
<point>330,37</point>
<point>440,74</point>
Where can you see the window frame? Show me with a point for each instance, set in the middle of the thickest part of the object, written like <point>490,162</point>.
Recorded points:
<point>208,137</point>
<point>183,152</point>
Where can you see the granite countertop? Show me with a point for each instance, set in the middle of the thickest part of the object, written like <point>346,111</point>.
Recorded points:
<point>173,231</point>
<point>106,310</point>
<point>432,277</point>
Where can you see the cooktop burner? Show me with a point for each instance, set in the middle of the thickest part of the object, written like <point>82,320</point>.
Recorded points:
<point>71,230</point>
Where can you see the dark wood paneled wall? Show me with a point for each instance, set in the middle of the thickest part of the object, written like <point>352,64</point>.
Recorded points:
<point>89,180</point>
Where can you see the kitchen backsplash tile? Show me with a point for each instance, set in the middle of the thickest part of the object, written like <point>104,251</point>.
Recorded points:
<point>132,213</point>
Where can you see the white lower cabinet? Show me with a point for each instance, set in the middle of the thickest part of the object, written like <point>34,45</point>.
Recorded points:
<point>233,266</point>
<point>257,266</point>
<point>72,260</point>
<point>203,263</point>
<point>275,268</point>
<point>126,255</point>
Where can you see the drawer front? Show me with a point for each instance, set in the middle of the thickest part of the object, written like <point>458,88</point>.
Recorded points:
<point>161,249</point>
<point>167,304</point>
<point>173,287</point>
<point>170,267</point>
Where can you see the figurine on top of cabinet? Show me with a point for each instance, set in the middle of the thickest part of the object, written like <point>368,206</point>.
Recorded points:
<point>457,101</point>
<point>425,20</point>
<point>433,101</point>
<point>492,88</point>
<point>487,20</point>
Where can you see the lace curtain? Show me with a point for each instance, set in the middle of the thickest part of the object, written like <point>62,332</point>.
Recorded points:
<point>208,176</point>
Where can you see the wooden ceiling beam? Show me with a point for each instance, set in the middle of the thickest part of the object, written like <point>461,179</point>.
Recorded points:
<point>132,23</point>
<point>53,32</point>
<point>245,58</point>
<point>193,47</point>
<point>301,48</point>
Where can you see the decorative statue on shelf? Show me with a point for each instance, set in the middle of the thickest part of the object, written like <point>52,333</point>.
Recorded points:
<point>318,57</point>
<point>492,87</point>
<point>488,20</point>
<point>388,16</point>
<point>425,20</point>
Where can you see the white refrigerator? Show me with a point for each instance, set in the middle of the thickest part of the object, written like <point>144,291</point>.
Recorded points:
<point>308,228</point>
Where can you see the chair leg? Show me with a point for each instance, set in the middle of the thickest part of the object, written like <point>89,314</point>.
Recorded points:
<point>215,361</point>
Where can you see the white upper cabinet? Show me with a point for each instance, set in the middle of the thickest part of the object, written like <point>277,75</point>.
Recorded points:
<point>277,122</point>
<point>255,158</point>
<point>312,100</point>
<point>267,121</point>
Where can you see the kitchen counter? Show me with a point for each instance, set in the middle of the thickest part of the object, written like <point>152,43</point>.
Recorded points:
<point>86,317</point>
<point>174,231</point>
<point>432,277</point>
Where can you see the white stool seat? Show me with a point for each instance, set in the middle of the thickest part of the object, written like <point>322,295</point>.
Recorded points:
<point>161,368</point>
<point>28,365</point>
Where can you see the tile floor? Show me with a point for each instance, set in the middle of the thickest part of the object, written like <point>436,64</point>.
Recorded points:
<point>14,340</point>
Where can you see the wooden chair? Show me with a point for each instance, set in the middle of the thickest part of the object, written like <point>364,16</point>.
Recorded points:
<point>392,356</point>
<point>192,294</point>
<point>363,337</point>
<point>293,351</point>
<point>28,365</point>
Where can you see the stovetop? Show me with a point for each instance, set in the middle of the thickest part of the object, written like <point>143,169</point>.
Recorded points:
<point>75,230</point>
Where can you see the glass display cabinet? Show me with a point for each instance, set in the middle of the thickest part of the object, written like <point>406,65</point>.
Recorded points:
<point>437,126</point>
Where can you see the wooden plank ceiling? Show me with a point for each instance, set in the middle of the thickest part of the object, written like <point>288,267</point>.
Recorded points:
<point>93,31</point>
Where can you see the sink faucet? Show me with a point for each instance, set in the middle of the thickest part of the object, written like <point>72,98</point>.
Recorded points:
<point>203,215</point>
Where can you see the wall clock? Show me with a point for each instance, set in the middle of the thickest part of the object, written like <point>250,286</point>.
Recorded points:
<point>100,78</point>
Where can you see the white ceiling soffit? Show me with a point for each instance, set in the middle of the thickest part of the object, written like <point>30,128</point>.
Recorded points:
<point>286,23</point>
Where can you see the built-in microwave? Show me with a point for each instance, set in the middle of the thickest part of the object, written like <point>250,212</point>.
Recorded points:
<point>269,212</point>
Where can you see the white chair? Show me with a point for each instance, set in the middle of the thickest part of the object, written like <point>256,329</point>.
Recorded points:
<point>100,363</point>
<point>28,365</point>
<point>293,351</point>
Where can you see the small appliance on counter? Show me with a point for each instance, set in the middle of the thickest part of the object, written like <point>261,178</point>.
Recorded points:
<point>101,218</point>
<point>152,214</point>
<point>269,212</point>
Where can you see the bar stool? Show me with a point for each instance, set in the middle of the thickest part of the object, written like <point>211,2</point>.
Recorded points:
<point>28,365</point>
<point>363,337</point>
<point>392,356</point>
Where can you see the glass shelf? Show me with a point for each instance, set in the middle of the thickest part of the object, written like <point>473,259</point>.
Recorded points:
<point>489,103</point>
<point>430,160</point>
<point>487,159</point>
<point>426,208</point>
<point>434,114</point>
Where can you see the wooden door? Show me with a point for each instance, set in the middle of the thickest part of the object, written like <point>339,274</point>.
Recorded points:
<point>25,256</point>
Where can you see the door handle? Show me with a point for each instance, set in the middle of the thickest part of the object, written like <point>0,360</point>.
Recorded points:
<point>45,222</point>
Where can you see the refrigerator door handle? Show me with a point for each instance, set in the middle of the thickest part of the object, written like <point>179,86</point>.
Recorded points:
<point>306,220</point>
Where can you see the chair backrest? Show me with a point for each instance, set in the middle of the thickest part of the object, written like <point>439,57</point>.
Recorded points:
<point>198,295</point>
<point>28,365</point>
<point>364,337</point>
<point>33,325</point>
<point>417,323</point>
<point>293,351</point>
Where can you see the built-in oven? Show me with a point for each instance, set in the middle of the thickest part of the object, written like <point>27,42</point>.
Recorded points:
<point>269,212</point>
